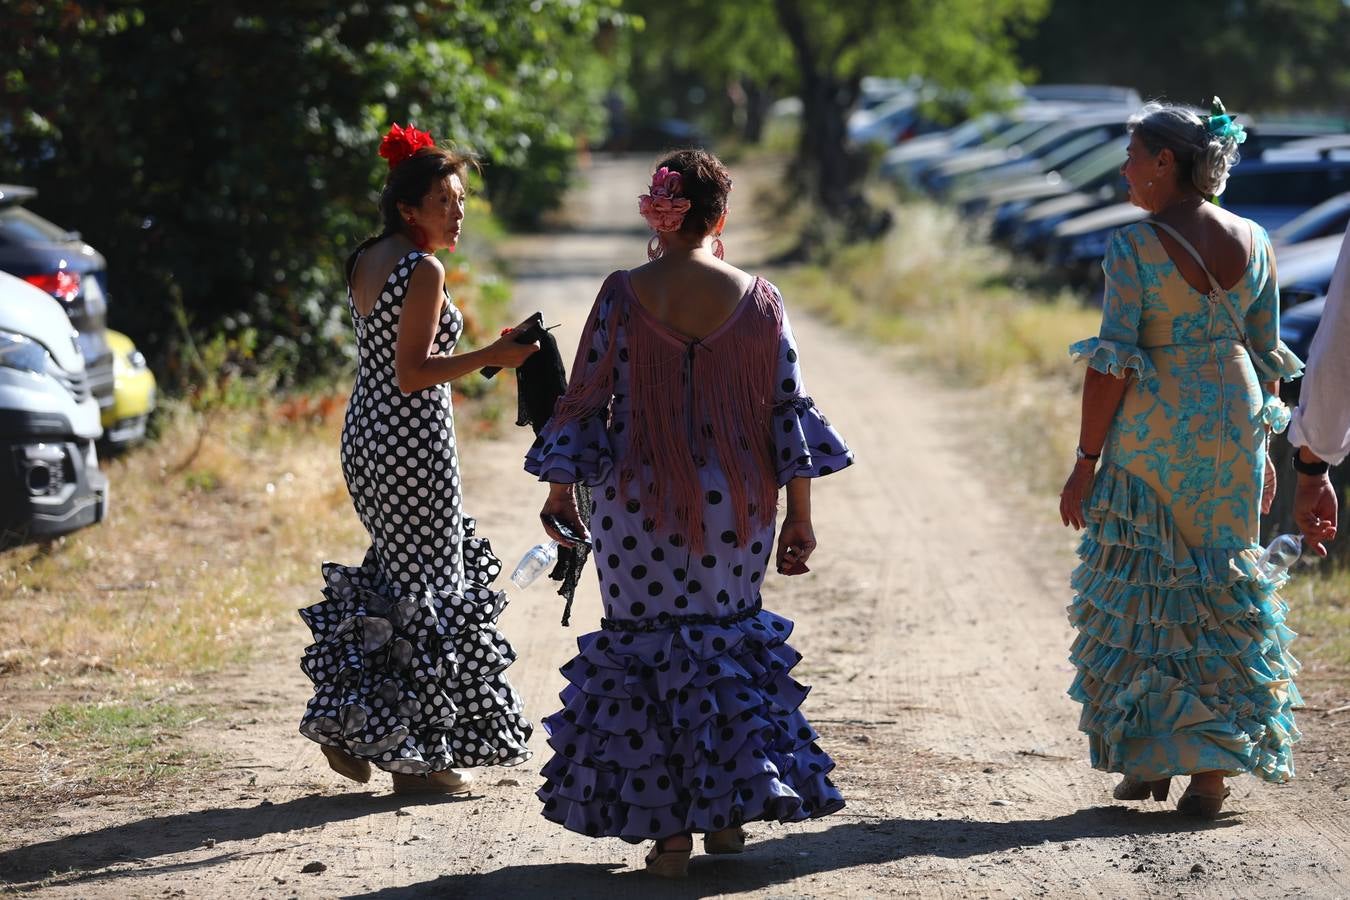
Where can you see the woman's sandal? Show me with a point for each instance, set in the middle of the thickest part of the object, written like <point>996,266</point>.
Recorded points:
<point>728,840</point>
<point>1135,789</point>
<point>669,863</point>
<point>1204,806</point>
<point>447,781</point>
<point>346,765</point>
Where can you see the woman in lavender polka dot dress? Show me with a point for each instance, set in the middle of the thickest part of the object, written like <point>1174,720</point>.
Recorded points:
<point>686,414</point>
<point>407,663</point>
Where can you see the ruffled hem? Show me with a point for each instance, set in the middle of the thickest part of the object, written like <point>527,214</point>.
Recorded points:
<point>413,680</point>
<point>1275,415</point>
<point>695,728</point>
<point>1280,364</point>
<point>1115,358</point>
<point>806,445</point>
<point>1182,653</point>
<point>579,450</point>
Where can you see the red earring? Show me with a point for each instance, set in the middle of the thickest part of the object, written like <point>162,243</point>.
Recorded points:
<point>417,235</point>
<point>718,248</point>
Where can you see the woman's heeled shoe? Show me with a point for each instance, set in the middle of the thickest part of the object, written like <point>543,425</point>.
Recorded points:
<point>447,781</point>
<point>1204,806</point>
<point>668,863</point>
<point>728,840</point>
<point>1136,789</point>
<point>346,765</point>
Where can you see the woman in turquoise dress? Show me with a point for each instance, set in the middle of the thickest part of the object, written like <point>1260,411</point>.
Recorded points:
<point>1182,659</point>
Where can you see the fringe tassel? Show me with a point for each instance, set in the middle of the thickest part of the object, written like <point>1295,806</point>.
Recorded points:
<point>731,415</point>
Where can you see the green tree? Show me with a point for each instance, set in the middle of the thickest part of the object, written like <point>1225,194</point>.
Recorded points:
<point>822,50</point>
<point>222,155</point>
<point>1256,54</point>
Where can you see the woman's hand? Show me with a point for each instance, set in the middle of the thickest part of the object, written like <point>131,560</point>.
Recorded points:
<point>505,352</point>
<point>562,503</point>
<point>1268,486</point>
<point>1076,490</point>
<point>795,543</point>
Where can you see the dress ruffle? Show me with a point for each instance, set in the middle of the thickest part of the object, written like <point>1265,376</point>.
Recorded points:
<point>694,728</point>
<point>806,445</point>
<point>1280,364</point>
<point>1182,652</point>
<point>576,451</point>
<point>411,705</point>
<point>1275,415</point>
<point>1115,358</point>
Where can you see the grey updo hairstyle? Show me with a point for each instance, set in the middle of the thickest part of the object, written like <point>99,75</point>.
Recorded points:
<point>1203,159</point>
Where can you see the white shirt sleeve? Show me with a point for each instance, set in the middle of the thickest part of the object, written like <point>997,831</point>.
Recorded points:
<point>1322,421</point>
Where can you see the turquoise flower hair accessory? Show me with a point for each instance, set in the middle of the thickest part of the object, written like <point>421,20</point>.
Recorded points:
<point>1223,126</point>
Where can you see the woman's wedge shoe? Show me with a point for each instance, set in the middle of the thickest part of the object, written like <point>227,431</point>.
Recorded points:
<point>728,840</point>
<point>1204,806</point>
<point>447,781</point>
<point>668,863</point>
<point>1134,789</point>
<point>345,764</point>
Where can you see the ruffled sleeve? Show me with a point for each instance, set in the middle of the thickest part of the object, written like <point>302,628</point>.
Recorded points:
<point>1116,351</point>
<point>805,444</point>
<point>1272,359</point>
<point>574,445</point>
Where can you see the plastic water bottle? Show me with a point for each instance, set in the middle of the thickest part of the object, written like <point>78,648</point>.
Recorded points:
<point>534,562</point>
<point>1280,554</point>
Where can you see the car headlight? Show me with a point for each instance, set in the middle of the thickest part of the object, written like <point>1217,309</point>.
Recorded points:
<point>22,353</point>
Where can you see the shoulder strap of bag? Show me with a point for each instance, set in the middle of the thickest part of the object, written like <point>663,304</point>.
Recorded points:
<point>1215,291</point>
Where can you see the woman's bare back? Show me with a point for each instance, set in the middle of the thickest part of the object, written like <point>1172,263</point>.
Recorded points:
<point>692,296</point>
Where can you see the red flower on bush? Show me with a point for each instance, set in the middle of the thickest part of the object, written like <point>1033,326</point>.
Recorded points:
<point>401,143</point>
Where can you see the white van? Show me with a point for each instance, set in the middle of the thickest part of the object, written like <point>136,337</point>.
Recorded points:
<point>49,478</point>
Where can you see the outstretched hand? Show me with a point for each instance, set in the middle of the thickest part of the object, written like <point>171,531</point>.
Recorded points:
<point>795,544</point>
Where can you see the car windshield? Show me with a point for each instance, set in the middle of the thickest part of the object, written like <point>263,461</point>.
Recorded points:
<point>1074,149</point>
<point>1323,219</point>
<point>1019,132</point>
<point>1096,164</point>
<point>19,226</point>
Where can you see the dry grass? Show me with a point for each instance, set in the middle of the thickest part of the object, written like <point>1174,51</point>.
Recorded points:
<point>214,539</point>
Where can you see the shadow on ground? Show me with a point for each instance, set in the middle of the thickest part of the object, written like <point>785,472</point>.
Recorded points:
<point>781,860</point>
<point>88,856</point>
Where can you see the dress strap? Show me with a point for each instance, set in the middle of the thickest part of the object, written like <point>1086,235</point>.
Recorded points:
<point>1216,293</point>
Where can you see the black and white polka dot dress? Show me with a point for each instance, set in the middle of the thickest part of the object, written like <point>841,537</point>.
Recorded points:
<point>680,713</point>
<point>407,662</point>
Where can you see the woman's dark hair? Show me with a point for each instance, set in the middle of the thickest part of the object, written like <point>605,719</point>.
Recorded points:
<point>409,182</point>
<point>705,183</point>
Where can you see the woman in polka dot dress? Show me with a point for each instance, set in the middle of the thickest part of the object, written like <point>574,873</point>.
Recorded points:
<point>686,414</point>
<point>407,662</point>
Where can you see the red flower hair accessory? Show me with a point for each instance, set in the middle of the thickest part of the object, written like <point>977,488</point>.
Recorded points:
<point>401,143</point>
<point>663,207</point>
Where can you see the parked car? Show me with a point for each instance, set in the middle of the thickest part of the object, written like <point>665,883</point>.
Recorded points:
<point>134,394</point>
<point>1304,270</point>
<point>50,483</point>
<point>1330,217</point>
<point>63,266</point>
<point>1270,194</point>
<point>1297,327</point>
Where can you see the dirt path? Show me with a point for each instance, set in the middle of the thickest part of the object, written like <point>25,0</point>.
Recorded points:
<point>935,639</point>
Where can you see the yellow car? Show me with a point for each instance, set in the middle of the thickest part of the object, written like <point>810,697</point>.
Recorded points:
<point>133,394</point>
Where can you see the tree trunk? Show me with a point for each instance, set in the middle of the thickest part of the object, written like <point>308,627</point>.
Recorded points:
<point>833,173</point>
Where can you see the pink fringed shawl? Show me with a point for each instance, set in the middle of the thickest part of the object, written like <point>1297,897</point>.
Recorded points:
<point>677,426</point>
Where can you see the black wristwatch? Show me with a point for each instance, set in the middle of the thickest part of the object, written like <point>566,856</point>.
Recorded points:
<point>1318,468</point>
<point>1082,454</point>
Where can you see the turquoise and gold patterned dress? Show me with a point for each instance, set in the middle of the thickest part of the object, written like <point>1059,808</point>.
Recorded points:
<point>1181,652</point>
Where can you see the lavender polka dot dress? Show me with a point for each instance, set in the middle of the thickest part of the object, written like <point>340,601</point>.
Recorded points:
<point>407,661</point>
<point>680,713</point>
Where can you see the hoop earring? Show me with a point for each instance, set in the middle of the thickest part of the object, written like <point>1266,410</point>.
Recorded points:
<point>654,248</point>
<point>718,248</point>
